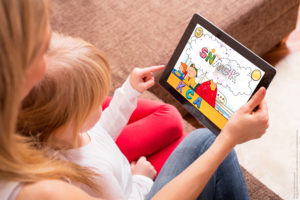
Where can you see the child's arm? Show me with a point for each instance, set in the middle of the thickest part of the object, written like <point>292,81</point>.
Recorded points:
<point>112,189</point>
<point>124,101</point>
<point>117,114</point>
<point>143,174</point>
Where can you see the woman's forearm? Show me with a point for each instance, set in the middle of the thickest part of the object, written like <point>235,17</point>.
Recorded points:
<point>190,183</point>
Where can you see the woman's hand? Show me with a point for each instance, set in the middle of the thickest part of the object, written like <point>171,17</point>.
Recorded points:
<point>249,122</point>
<point>141,78</point>
<point>143,167</point>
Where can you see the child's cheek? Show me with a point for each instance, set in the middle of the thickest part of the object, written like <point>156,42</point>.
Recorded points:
<point>99,114</point>
<point>96,116</point>
<point>92,120</point>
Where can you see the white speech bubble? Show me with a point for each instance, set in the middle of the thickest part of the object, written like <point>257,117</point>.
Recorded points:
<point>223,71</point>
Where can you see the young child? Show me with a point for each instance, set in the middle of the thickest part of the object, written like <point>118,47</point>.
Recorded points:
<point>63,112</point>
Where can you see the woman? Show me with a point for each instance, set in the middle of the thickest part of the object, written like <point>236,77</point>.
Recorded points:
<point>26,173</point>
<point>24,37</point>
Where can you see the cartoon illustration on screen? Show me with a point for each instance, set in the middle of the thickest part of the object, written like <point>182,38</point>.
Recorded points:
<point>181,72</point>
<point>215,72</point>
<point>208,91</point>
<point>190,76</point>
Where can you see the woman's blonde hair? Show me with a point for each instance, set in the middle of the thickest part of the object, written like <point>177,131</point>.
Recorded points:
<point>23,25</point>
<point>76,82</point>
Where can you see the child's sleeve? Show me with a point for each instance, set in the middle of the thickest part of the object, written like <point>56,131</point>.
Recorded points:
<point>111,189</point>
<point>109,186</point>
<point>141,186</point>
<point>115,117</point>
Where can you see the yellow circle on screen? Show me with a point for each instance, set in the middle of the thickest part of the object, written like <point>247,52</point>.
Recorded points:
<point>256,75</point>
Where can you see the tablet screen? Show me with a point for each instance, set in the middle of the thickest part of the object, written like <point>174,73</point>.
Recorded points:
<point>213,77</point>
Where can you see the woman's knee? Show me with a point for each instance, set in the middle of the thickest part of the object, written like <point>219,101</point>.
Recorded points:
<point>231,157</point>
<point>201,139</point>
<point>203,136</point>
<point>204,139</point>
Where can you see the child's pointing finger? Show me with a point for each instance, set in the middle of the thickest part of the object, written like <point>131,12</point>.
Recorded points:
<point>141,78</point>
<point>149,83</point>
<point>152,69</point>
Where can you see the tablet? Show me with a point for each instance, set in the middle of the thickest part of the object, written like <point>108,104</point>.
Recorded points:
<point>212,75</point>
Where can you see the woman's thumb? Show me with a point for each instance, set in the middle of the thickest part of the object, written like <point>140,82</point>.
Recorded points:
<point>256,99</point>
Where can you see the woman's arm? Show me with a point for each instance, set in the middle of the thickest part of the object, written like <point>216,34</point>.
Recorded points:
<point>190,183</point>
<point>249,122</point>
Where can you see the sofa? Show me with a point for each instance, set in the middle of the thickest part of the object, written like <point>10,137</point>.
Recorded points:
<point>139,33</point>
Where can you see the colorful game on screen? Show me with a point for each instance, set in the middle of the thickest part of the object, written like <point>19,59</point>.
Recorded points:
<point>213,77</point>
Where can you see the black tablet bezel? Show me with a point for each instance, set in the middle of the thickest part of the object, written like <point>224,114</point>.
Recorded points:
<point>238,47</point>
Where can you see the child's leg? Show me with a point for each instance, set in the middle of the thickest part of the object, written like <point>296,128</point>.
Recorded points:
<point>152,126</point>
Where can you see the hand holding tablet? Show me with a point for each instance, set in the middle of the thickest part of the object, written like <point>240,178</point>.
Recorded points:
<point>212,74</point>
<point>249,122</point>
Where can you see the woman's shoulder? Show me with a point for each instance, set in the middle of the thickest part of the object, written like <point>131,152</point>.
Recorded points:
<point>50,190</point>
<point>9,189</point>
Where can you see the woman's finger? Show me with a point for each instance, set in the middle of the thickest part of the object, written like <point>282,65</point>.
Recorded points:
<point>263,110</point>
<point>256,99</point>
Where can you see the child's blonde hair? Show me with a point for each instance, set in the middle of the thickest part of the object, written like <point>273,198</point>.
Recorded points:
<point>76,82</point>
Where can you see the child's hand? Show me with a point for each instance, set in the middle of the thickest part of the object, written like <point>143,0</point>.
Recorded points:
<point>143,167</point>
<point>141,78</point>
<point>249,122</point>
